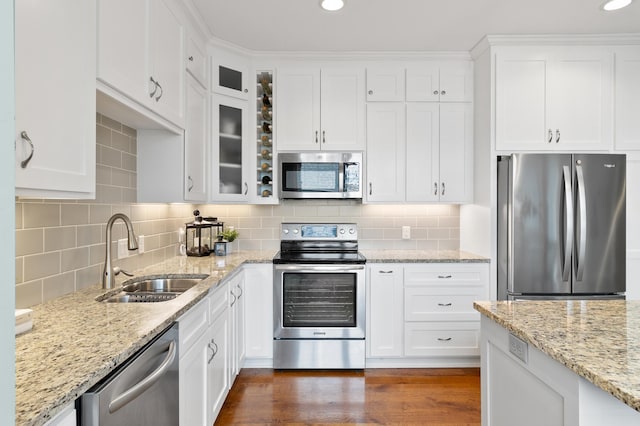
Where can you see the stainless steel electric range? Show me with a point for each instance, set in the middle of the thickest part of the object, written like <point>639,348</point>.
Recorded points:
<point>319,297</point>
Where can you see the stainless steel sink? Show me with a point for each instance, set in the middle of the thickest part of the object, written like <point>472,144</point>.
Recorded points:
<point>161,285</point>
<point>157,288</point>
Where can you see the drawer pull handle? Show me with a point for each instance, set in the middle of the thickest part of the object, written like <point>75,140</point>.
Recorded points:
<point>444,277</point>
<point>445,339</point>
<point>385,272</point>
<point>444,304</point>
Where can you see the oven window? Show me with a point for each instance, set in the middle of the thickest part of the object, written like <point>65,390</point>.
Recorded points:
<point>319,299</point>
<point>311,177</point>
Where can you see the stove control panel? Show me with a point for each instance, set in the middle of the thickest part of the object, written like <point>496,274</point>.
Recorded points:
<point>319,231</point>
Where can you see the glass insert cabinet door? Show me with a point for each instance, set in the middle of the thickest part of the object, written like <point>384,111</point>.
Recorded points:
<point>230,75</point>
<point>230,119</point>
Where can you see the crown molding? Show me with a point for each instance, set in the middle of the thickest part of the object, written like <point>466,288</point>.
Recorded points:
<point>553,39</point>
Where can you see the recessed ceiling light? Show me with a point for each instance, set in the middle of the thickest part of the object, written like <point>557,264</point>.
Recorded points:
<point>610,5</point>
<point>332,5</point>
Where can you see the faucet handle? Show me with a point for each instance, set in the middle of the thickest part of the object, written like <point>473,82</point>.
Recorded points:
<point>117,270</point>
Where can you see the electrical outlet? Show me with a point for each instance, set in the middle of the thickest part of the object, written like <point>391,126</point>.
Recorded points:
<point>123,250</point>
<point>406,232</point>
<point>140,244</point>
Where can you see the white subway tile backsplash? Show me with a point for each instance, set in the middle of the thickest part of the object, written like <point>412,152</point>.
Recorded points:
<point>41,265</point>
<point>29,241</point>
<point>74,214</point>
<point>59,238</point>
<point>39,215</point>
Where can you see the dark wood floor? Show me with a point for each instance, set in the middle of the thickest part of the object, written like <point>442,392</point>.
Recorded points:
<point>373,396</point>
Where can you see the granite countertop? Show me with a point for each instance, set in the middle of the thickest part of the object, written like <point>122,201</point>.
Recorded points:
<point>76,341</point>
<point>598,340</point>
<point>422,256</point>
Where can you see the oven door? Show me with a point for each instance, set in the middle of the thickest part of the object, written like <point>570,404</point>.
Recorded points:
<point>319,301</point>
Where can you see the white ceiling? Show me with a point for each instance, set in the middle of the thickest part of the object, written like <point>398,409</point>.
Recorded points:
<point>402,25</point>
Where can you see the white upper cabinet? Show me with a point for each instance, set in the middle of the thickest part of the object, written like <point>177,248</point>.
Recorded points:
<point>385,152</point>
<point>167,62</point>
<point>627,95</point>
<point>196,142</point>
<point>141,54</point>
<point>55,98</point>
<point>440,82</point>
<point>230,75</point>
<point>385,84</point>
<point>554,98</point>
<point>320,109</point>
<point>230,149</point>
<point>197,62</point>
<point>439,152</point>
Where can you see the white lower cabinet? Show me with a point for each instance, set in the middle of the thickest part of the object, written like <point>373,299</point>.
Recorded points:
<point>237,326</point>
<point>204,359</point>
<point>67,417</point>
<point>422,314</point>
<point>384,310</point>
<point>258,299</point>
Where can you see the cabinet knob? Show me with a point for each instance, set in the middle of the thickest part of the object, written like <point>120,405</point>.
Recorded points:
<point>371,92</point>
<point>190,58</point>
<point>443,92</point>
<point>435,92</point>
<point>25,137</point>
<point>246,90</point>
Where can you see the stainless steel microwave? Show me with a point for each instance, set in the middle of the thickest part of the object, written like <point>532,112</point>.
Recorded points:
<point>320,174</point>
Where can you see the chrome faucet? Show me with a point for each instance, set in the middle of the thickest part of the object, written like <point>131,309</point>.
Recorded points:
<point>108,276</point>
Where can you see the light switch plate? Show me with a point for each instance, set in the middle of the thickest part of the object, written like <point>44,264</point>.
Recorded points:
<point>123,250</point>
<point>406,232</point>
<point>140,244</point>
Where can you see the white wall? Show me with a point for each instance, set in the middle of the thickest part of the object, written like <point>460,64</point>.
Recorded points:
<point>7,197</point>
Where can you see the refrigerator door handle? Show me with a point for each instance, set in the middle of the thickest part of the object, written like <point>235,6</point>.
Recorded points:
<point>582,217</point>
<point>568,223</point>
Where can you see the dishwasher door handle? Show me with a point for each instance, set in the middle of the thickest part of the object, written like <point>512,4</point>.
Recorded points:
<point>138,389</point>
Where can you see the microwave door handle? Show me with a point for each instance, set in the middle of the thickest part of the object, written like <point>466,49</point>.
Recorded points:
<point>341,174</point>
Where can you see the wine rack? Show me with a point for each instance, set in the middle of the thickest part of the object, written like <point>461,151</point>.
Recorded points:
<point>264,109</point>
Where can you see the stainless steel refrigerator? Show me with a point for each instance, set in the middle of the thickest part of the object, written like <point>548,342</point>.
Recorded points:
<point>561,226</point>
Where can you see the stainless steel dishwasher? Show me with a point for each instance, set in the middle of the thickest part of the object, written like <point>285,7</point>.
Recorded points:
<point>142,391</point>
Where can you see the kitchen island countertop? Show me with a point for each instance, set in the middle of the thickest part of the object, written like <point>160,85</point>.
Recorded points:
<point>598,340</point>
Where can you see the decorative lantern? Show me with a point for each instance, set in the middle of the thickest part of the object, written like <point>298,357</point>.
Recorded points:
<point>220,247</point>
<point>200,236</point>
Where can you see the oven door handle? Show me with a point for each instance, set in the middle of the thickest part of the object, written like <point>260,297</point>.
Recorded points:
<point>318,268</point>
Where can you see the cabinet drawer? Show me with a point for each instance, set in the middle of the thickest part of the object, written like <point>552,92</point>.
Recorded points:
<point>442,339</point>
<point>441,303</point>
<point>192,324</point>
<point>443,275</point>
<point>219,301</point>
